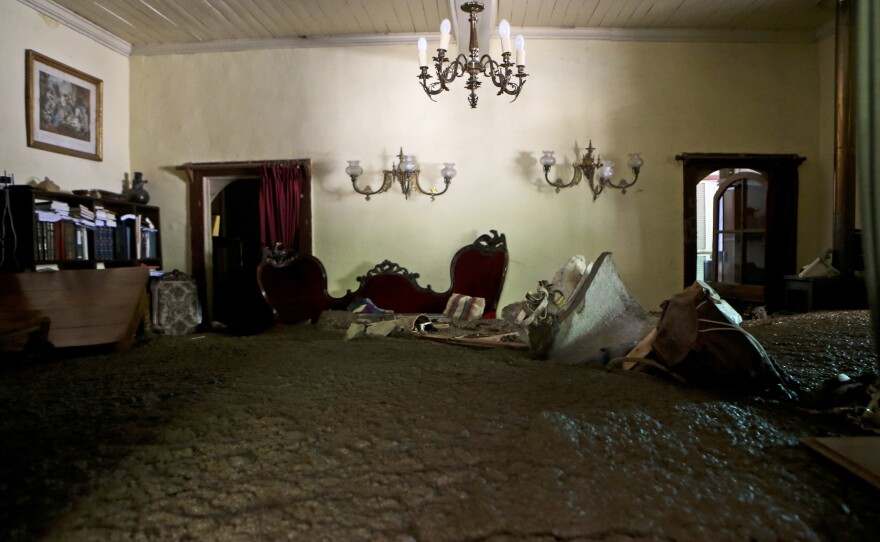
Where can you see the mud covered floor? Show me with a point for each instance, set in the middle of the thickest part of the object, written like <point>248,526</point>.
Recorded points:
<point>295,434</point>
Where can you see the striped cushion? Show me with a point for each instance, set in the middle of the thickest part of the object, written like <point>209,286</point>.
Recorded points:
<point>464,307</point>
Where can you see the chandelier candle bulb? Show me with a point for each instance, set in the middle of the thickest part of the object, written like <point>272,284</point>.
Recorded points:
<point>472,65</point>
<point>520,50</point>
<point>445,29</point>
<point>423,52</point>
<point>504,32</point>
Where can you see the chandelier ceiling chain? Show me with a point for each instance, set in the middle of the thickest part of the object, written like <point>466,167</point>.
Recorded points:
<point>405,172</point>
<point>588,167</point>
<point>501,74</point>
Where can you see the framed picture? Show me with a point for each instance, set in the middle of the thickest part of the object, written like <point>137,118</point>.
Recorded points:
<point>64,108</point>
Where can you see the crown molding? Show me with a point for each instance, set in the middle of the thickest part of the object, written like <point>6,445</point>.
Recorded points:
<point>88,29</point>
<point>226,46</point>
<point>77,23</point>
<point>606,34</point>
<point>671,35</point>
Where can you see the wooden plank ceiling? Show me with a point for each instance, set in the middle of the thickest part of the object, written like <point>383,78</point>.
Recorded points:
<point>144,23</point>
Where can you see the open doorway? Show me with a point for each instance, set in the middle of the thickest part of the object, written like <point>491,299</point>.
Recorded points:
<point>740,224</point>
<point>236,251</point>
<point>224,265</point>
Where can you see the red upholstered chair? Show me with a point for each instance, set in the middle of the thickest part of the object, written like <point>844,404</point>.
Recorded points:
<point>479,270</point>
<point>295,287</point>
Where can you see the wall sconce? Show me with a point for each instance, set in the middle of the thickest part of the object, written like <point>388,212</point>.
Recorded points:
<point>405,172</point>
<point>589,167</point>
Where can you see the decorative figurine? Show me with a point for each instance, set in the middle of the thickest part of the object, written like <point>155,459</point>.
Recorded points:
<point>138,193</point>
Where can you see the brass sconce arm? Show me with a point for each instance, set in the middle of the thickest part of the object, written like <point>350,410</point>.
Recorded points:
<point>405,172</point>
<point>589,167</point>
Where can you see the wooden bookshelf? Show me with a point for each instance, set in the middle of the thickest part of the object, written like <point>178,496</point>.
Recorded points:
<point>73,231</point>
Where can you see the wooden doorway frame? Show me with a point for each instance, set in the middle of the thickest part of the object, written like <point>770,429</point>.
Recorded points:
<point>782,194</point>
<point>199,174</point>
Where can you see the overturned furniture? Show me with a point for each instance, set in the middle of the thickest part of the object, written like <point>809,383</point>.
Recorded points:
<point>582,315</point>
<point>80,307</point>
<point>295,285</point>
<point>698,340</point>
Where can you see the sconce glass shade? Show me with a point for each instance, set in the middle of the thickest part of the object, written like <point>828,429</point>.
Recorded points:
<point>409,164</point>
<point>448,170</point>
<point>548,160</point>
<point>607,170</point>
<point>635,160</point>
<point>354,169</point>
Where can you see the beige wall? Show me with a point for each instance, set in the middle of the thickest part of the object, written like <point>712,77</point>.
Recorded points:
<point>336,104</point>
<point>23,28</point>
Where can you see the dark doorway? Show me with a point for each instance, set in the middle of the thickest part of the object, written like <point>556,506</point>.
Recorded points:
<point>232,255</point>
<point>237,251</point>
<point>759,252</point>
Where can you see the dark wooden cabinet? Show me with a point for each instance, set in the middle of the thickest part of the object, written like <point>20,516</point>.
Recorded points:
<point>74,231</point>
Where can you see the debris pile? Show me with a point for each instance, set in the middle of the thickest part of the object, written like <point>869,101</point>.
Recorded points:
<point>585,314</point>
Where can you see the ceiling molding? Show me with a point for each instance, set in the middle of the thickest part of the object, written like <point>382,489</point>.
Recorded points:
<point>77,23</point>
<point>606,34</point>
<point>88,29</point>
<point>670,35</point>
<point>226,46</point>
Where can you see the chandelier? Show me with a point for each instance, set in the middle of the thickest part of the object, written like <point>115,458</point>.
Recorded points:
<point>473,64</point>
<point>405,172</point>
<point>588,167</point>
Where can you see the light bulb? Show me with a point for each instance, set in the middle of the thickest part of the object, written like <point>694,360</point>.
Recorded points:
<point>548,159</point>
<point>354,169</point>
<point>635,161</point>
<point>520,50</point>
<point>445,28</point>
<point>504,32</point>
<point>423,51</point>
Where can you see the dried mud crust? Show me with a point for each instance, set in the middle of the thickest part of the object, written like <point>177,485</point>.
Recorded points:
<point>297,434</point>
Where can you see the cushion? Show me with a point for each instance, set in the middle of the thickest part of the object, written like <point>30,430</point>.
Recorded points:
<point>464,307</point>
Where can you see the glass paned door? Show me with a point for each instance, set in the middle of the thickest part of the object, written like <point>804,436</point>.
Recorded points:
<point>740,247</point>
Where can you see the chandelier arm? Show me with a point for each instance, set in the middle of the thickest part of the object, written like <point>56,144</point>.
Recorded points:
<point>500,74</point>
<point>455,69</point>
<point>558,183</point>
<point>518,89</point>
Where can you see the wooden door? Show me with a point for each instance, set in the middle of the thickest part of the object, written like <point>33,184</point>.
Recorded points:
<point>739,250</point>
<point>780,174</point>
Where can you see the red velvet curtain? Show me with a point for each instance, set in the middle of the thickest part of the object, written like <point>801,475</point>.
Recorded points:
<point>280,189</point>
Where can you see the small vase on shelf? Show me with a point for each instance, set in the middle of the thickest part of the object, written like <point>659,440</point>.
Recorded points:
<point>138,194</point>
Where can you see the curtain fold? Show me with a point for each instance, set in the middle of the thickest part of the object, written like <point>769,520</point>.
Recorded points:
<point>280,190</point>
<point>868,148</point>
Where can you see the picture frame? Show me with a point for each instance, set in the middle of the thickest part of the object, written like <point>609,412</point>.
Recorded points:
<point>64,107</point>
